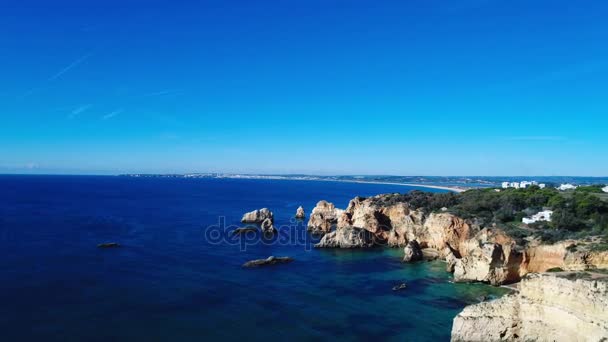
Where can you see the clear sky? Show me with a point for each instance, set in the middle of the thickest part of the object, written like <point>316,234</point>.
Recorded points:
<point>428,87</point>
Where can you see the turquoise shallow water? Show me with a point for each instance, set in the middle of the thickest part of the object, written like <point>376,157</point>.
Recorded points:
<point>172,281</point>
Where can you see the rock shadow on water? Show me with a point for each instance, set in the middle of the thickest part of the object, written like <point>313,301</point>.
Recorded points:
<point>445,302</point>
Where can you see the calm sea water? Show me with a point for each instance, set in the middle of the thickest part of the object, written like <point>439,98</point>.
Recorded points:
<point>170,283</point>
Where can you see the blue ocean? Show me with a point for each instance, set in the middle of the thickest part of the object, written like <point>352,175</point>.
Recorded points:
<point>177,278</point>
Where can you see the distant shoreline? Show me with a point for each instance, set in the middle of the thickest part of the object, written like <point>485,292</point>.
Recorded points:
<point>420,185</point>
<point>439,187</point>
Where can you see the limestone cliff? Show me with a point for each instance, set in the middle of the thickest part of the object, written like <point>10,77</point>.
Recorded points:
<point>548,307</point>
<point>474,254</point>
<point>323,217</point>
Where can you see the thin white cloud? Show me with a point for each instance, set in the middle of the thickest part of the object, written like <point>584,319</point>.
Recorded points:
<point>69,66</point>
<point>112,114</point>
<point>537,138</point>
<point>79,110</point>
<point>56,75</point>
<point>163,92</point>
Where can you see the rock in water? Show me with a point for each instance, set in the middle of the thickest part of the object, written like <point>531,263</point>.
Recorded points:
<point>400,287</point>
<point>323,217</point>
<point>300,214</point>
<point>267,227</point>
<point>258,216</point>
<point>347,237</point>
<point>108,245</point>
<point>244,230</point>
<point>412,252</point>
<point>271,260</point>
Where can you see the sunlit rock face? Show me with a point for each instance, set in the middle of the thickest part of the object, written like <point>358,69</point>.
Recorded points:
<point>548,307</point>
<point>258,216</point>
<point>323,217</point>
<point>347,237</point>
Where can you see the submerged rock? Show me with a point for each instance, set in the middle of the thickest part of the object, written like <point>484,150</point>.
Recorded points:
<point>412,252</point>
<point>108,245</point>
<point>400,287</point>
<point>347,237</point>
<point>300,214</point>
<point>258,216</point>
<point>271,260</point>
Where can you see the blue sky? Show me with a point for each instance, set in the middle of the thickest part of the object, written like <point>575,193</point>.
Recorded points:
<point>470,87</point>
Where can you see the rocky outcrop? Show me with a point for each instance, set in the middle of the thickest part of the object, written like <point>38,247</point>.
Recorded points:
<point>258,216</point>
<point>395,223</point>
<point>300,214</point>
<point>472,253</point>
<point>489,257</point>
<point>548,307</point>
<point>271,260</point>
<point>323,217</point>
<point>412,252</point>
<point>445,230</point>
<point>267,227</point>
<point>347,237</point>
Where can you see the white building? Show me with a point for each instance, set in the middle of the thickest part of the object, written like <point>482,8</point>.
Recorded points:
<point>520,185</point>
<point>544,215</point>
<point>542,185</point>
<point>566,186</point>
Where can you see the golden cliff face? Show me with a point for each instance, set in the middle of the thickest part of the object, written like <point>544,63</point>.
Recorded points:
<point>548,307</point>
<point>473,254</point>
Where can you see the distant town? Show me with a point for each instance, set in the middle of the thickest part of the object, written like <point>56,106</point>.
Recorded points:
<point>562,183</point>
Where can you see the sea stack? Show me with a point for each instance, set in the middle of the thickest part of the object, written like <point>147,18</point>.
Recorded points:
<point>300,214</point>
<point>258,216</point>
<point>268,227</point>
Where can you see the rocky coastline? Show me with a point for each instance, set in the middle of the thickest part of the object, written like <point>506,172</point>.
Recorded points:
<point>474,252</point>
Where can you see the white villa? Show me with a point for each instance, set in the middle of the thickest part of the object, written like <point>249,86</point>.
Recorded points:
<point>566,186</point>
<point>544,215</point>
<point>605,189</point>
<point>521,185</point>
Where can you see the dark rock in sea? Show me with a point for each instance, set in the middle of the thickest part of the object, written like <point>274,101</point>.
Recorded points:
<point>244,230</point>
<point>108,245</point>
<point>412,252</point>
<point>400,287</point>
<point>271,260</point>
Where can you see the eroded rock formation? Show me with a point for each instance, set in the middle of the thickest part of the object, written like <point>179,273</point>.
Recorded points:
<point>323,217</point>
<point>300,214</point>
<point>347,237</point>
<point>412,252</point>
<point>257,216</point>
<point>267,227</point>
<point>548,307</point>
